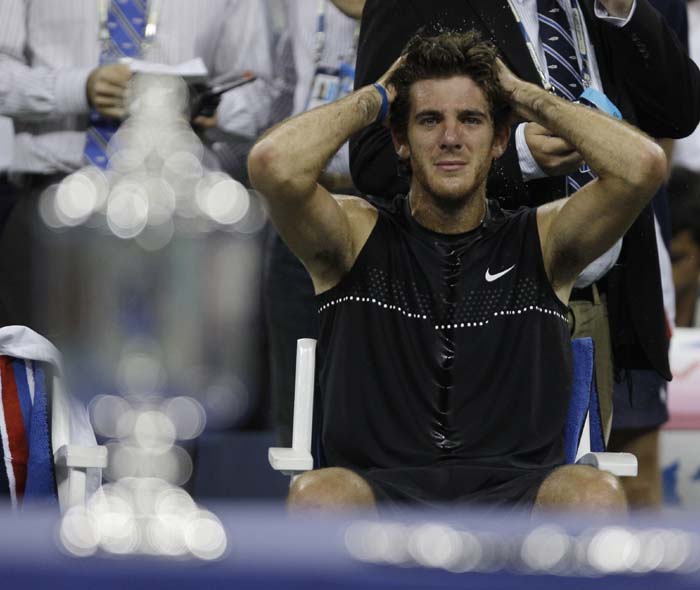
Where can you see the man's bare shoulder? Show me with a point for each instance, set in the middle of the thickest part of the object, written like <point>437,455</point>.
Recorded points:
<point>359,211</point>
<point>351,204</point>
<point>546,214</point>
<point>362,217</point>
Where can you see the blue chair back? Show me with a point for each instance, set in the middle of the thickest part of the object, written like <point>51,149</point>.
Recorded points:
<point>584,400</point>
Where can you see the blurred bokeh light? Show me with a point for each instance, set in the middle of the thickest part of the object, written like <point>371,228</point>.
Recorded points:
<point>157,182</point>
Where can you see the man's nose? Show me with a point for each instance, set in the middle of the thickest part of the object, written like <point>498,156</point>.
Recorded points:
<point>451,137</point>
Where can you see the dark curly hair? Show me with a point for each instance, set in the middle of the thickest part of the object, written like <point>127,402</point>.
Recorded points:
<point>444,56</point>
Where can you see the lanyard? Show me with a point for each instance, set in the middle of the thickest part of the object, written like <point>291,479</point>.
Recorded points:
<point>581,46</point>
<point>321,33</point>
<point>151,24</point>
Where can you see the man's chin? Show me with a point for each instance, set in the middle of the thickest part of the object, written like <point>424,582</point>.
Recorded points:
<point>447,192</point>
<point>451,196</point>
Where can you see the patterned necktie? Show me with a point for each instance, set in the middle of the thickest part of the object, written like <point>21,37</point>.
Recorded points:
<point>126,23</point>
<point>559,47</point>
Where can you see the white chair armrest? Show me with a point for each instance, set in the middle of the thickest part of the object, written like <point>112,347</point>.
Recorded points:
<point>295,460</point>
<point>290,461</point>
<point>81,457</point>
<point>78,473</point>
<point>620,464</point>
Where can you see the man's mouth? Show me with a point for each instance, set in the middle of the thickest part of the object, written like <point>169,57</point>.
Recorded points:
<point>451,165</point>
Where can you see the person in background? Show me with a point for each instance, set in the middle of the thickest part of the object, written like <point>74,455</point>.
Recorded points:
<point>318,63</point>
<point>684,198</point>
<point>60,61</point>
<point>687,151</point>
<point>640,396</point>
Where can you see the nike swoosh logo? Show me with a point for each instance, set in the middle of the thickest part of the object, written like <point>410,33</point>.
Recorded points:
<point>491,278</point>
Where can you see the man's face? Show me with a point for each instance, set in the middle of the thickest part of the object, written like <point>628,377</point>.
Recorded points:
<point>450,138</point>
<point>685,257</point>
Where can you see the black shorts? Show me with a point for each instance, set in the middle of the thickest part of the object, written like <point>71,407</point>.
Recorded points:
<point>639,400</point>
<point>436,486</point>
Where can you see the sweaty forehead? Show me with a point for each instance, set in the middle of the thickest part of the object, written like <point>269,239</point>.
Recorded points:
<point>457,93</point>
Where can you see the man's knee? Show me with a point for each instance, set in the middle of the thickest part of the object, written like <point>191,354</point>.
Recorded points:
<point>333,488</point>
<point>581,487</point>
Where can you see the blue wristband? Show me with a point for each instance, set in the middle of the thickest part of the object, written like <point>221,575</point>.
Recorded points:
<point>385,103</point>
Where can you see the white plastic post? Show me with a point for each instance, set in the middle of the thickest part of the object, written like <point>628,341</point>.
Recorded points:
<point>60,416</point>
<point>298,458</point>
<point>304,394</point>
<point>584,444</point>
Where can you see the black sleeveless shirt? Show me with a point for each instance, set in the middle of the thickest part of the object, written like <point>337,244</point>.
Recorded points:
<point>438,349</point>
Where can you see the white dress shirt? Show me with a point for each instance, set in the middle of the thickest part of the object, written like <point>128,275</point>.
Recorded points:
<point>48,48</point>
<point>302,17</point>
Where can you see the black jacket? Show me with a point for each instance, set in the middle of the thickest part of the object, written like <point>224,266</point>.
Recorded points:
<point>645,71</point>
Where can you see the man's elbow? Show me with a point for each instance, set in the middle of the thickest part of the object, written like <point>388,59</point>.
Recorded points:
<point>268,169</point>
<point>650,172</point>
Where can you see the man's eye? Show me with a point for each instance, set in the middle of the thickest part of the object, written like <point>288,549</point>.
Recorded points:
<point>473,120</point>
<point>429,121</point>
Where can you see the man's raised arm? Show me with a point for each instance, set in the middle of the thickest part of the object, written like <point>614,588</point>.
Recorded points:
<point>629,165</point>
<point>326,233</point>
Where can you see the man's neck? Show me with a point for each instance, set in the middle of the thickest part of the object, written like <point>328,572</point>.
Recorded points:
<point>445,217</point>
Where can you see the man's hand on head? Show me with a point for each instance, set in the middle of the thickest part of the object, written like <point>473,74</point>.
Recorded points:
<point>515,93</point>
<point>106,89</point>
<point>527,102</point>
<point>617,8</point>
<point>509,82</point>
<point>384,80</point>
<point>389,88</point>
<point>554,155</point>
